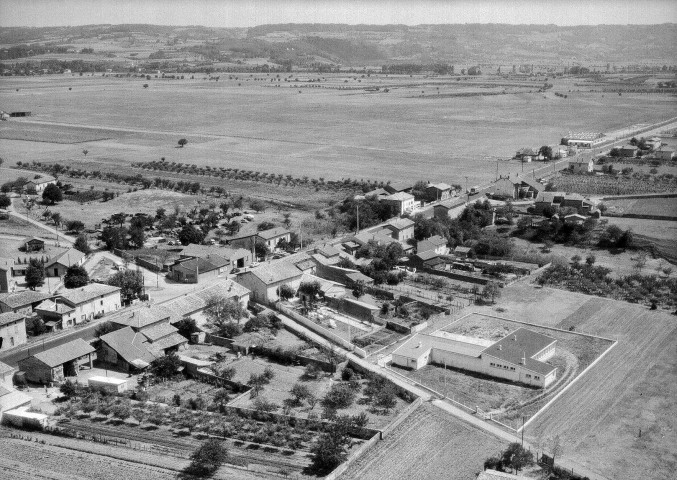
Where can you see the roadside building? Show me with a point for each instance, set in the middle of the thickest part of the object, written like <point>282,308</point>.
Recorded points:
<point>628,151</point>
<point>401,202</point>
<point>77,305</point>
<point>192,270</point>
<point>57,363</point>
<point>557,200</point>
<point>581,165</point>
<point>427,259</point>
<point>125,350</point>
<point>402,229</point>
<point>665,154</point>
<point>32,244</point>
<point>21,302</point>
<point>236,257</point>
<point>274,236</point>
<point>585,140</point>
<point>10,398</point>
<point>462,252</point>
<point>515,186</point>
<point>7,282</point>
<point>12,330</point>
<point>264,281</point>
<point>398,187</point>
<point>446,208</point>
<point>438,191</point>
<point>57,265</point>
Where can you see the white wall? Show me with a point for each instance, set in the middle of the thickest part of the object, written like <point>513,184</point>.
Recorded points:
<point>109,303</point>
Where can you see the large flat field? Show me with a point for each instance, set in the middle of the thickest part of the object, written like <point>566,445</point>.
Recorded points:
<point>631,389</point>
<point>319,132</point>
<point>429,444</point>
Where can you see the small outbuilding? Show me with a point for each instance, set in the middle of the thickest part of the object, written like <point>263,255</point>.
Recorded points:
<point>57,363</point>
<point>110,384</point>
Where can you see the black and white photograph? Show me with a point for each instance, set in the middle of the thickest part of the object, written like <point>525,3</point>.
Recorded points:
<point>338,239</point>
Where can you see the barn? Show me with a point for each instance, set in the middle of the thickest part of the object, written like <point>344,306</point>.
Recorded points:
<point>57,363</point>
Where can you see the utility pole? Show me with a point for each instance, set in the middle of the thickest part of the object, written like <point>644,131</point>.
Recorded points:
<point>523,431</point>
<point>357,208</point>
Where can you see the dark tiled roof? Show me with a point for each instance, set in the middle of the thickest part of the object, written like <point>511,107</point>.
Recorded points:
<point>275,272</point>
<point>129,345</point>
<point>87,293</point>
<point>522,342</point>
<point>22,299</point>
<point>156,332</point>
<point>67,258</point>
<point>64,353</point>
<point>10,317</point>
<point>273,233</point>
<point>143,317</point>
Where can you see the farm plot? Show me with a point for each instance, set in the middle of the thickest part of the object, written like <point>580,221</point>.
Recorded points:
<point>19,227</point>
<point>610,185</point>
<point>659,207</point>
<point>632,388</point>
<point>34,132</point>
<point>428,444</point>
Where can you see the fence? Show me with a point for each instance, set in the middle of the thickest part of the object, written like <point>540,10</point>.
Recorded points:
<point>323,332</point>
<point>404,414</point>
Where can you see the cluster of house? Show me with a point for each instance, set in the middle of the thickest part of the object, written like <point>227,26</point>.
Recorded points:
<point>58,311</point>
<point>398,195</point>
<point>56,261</point>
<point>519,357</point>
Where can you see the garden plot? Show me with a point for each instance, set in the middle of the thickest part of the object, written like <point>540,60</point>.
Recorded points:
<point>344,326</point>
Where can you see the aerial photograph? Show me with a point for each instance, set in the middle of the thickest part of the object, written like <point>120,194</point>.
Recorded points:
<point>338,239</point>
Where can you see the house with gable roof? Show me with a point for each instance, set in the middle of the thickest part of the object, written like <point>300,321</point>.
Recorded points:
<point>265,280</point>
<point>59,362</point>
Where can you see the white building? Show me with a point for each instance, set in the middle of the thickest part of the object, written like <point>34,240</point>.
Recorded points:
<point>518,357</point>
<point>77,305</point>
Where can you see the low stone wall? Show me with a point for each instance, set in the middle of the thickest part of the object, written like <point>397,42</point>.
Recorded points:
<point>457,276</point>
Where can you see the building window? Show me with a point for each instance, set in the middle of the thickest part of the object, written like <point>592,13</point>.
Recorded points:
<point>101,302</point>
<point>11,341</point>
<point>528,376</point>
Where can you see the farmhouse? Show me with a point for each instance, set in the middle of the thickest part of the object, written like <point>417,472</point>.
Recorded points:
<point>21,302</point>
<point>514,186</point>
<point>39,184</point>
<point>436,244</point>
<point>402,228</point>
<point>125,350</point>
<point>237,257</point>
<point>557,200</point>
<point>58,264</point>
<point>526,154</point>
<point>628,151</point>
<point>32,244</point>
<point>193,270</point>
<point>398,187</point>
<point>427,259</point>
<point>76,305</point>
<point>518,357</point>
<point>444,209</point>
<point>438,191</point>
<point>264,281</point>
<point>10,398</point>
<point>581,165</point>
<point>57,363</point>
<point>585,139</point>
<point>12,330</point>
<point>7,282</point>
<point>462,251</point>
<point>401,202</point>
<point>274,236</point>
<point>664,154</point>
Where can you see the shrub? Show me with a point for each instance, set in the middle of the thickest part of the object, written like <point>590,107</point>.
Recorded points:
<point>339,396</point>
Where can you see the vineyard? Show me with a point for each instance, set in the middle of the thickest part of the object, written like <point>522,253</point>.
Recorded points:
<point>636,183</point>
<point>428,444</point>
<point>661,207</point>
<point>631,388</point>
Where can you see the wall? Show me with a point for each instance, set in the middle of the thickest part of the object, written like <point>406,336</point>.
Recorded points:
<point>323,332</point>
<point>110,356</point>
<point>456,360</point>
<point>109,303</point>
<point>464,277</point>
<point>13,334</point>
<point>353,309</point>
<point>36,371</point>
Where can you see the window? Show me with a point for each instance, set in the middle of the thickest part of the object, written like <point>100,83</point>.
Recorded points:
<point>537,377</point>
<point>101,302</point>
<point>528,376</point>
<point>11,341</point>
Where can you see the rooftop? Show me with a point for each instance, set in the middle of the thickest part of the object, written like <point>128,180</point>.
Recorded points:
<point>522,343</point>
<point>10,317</point>
<point>400,197</point>
<point>584,136</point>
<point>22,299</point>
<point>64,353</point>
<point>143,317</point>
<point>420,343</point>
<point>158,331</point>
<point>399,186</point>
<point>439,186</point>
<point>204,264</point>
<point>427,255</point>
<point>52,306</point>
<point>129,345</point>
<point>87,293</point>
<point>273,233</point>
<point>67,258</point>
<point>194,250</point>
<point>450,203</point>
<point>401,223</point>
<point>279,271</point>
<point>328,251</point>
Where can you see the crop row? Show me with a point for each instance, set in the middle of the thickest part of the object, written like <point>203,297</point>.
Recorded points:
<point>622,185</point>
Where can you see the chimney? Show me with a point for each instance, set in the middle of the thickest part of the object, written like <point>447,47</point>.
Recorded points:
<point>500,347</point>
<point>524,358</point>
<point>514,337</point>
<point>420,344</point>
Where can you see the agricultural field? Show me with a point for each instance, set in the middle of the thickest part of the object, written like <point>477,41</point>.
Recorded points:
<point>428,444</point>
<point>599,418</point>
<point>659,207</point>
<point>19,228</point>
<point>48,134</point>
<point>282,131</point>
<point>635,183</point>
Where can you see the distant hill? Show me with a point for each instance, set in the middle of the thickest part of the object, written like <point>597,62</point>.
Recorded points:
<point>374,45</point>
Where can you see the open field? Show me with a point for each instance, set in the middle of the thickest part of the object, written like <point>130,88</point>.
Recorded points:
<point>21,228</point>
<point>429,444</point>
<point>631,388</point>
<point>662,207</point>
<point>341,133</point>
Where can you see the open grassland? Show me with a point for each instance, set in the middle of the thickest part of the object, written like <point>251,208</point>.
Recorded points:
<point>429,444</point>
<point>342,134</point>
<point>660,207</point>
<point>20,228</point>
<point>633,387</point>
<point>47,133</point>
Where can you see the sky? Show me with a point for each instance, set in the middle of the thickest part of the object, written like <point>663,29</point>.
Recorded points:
<point>248,13</point>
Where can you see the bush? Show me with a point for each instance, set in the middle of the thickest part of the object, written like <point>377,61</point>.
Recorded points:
<point>339,396</point>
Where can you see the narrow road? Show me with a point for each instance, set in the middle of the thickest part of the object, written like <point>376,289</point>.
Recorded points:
<point>59,236</point>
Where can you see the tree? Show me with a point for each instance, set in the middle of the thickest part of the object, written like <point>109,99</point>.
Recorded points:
<point>491,290</point>
<point>517,457</point>
<point>5,201</point>
<point>137,237</point>
<point>546,152</point>
<point>330,450</point>
<point>52,194</point>
<point>286,292</point>
<point>224,315</point>
<point>56,218</point>
<point>590,259</point>
<point>576,259</point>
<point>76,276</point>
<point>35,274</point>
<point>310,289</point>
<point>82,245</point>
<point>104,328</point>
<point>115,237</point>
<point>130,283</point>
<point>75,226</point>
<point>182,142</point>
<point>300,392</point>
<point>189,234</point>
<point>165,366</point>
<point>186,327</point>
<point>221,398</point>
<point>207,459</point>
<point>68,389</point>
<point>257,205</point>
<point>265,226</point>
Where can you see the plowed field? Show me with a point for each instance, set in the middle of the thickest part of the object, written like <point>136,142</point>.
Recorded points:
<point>430,444</point>
<point>633,387</point>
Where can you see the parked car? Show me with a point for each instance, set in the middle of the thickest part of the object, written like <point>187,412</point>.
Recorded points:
<point>254,264</point>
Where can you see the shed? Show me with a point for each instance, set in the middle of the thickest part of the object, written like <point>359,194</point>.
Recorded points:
<point>57,363</point>
<point>110,384</point>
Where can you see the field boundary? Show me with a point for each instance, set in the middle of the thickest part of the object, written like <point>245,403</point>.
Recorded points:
<point>561,392</point>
